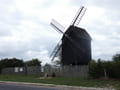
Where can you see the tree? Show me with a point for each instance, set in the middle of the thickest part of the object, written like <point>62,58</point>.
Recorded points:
<point>116,57</point>
<point>96,69</point>
<point>13,62</point>
<point>92,68</point>
<point>33,62</point>
<point>100,68</point>
<point>57,62</point>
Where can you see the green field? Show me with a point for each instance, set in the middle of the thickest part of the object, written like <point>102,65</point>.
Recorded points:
<point>64,81</point>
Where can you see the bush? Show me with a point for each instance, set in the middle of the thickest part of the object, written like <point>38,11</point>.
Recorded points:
<point>53,74</point>
<point>14,62</point>
<point>112,68</point>
<point>96,69</point>
<point>33,62</point>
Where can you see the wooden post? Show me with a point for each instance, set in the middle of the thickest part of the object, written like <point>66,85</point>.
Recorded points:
<point>105,74</point>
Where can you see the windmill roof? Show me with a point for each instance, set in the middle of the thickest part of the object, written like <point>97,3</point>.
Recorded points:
<point>79,32</point>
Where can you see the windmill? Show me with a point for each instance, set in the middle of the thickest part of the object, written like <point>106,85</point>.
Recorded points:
<point>75,45</point>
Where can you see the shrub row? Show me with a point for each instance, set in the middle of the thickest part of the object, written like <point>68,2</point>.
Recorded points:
<point>109,69</point>
<point>14,62</point>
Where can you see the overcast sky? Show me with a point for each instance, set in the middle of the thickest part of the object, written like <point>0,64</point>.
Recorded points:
<point>25,32</point>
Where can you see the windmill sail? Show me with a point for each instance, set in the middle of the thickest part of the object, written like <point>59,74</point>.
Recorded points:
<point>55,49</point>
<point>57,26</point>
<point>56,52</point>
<point>78,16</point>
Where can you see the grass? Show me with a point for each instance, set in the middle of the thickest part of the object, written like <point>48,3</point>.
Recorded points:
<point>64,81</point>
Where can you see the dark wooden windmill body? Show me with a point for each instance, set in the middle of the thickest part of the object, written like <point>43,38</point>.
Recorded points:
<point>75,45</point>
<point>77,49</point>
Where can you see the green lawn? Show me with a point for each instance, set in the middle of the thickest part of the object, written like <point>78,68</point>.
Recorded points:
<point>63,81</point>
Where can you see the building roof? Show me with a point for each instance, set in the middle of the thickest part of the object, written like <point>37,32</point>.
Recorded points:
<point>78,32</point>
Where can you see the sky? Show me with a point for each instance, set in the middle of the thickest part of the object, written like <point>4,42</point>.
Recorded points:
<point>25,30</point>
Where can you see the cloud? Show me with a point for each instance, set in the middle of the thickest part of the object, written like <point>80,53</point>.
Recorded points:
<point>25,31</point>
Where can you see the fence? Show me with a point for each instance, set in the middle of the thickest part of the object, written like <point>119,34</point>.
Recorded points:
<point>68,71</point>
<point>64,71</point>
<point>31,70</point>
